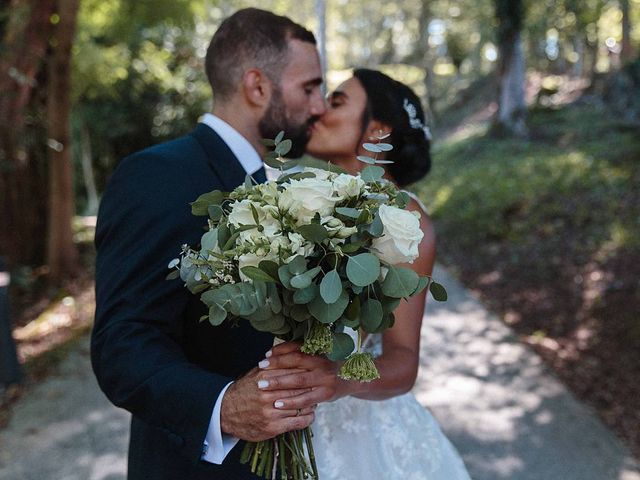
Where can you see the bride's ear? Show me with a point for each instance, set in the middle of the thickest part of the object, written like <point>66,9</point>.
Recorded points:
<point>257,88</point>
<point>377,130</point>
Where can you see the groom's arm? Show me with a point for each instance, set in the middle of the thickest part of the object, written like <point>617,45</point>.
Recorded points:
<point>136,354</point>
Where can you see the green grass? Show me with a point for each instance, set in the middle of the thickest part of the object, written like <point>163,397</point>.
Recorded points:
<point>578,171</point>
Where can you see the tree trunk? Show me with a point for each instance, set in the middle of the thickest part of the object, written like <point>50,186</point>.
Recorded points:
<point>62,255</point>
<point>511,114</point>
<point>25,35</point>
<point>626,53</point>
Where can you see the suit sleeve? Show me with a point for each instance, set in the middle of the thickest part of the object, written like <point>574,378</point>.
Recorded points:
<point>144,219</point>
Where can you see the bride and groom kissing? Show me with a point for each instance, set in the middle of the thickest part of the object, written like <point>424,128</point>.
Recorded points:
<point>196,392</point>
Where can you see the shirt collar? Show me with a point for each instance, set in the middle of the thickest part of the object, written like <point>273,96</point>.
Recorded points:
<point>240,146</point>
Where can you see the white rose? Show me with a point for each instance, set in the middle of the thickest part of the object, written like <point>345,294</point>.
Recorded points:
<point>348,185</point>
<point>242,214</point>
<point>303,198</point>
<point>401,236</point>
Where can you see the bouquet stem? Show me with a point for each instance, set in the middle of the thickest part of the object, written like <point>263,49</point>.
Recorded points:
<point>284,453</point>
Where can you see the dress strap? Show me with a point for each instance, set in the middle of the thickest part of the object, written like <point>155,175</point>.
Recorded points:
<point>418,201</point>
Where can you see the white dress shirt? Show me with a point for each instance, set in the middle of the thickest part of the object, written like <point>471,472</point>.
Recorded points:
<point>217,444</point>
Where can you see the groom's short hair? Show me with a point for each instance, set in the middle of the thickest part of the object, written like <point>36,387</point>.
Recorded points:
<point>250,38</point>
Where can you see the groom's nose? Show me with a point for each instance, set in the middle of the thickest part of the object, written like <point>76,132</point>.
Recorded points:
<point>318,104</point>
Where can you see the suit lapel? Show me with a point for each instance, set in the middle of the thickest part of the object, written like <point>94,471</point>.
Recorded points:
<point>220,157</point>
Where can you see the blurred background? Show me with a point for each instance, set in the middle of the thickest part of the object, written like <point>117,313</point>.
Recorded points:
<point>535,186</point>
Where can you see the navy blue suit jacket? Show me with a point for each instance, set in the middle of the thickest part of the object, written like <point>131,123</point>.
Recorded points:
<point>150,353</point>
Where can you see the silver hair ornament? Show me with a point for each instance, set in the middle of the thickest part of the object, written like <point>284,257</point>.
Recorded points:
<point>414,121</point>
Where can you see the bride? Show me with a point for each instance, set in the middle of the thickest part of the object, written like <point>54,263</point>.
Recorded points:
<point>378,430</point>
<point>397,437</point>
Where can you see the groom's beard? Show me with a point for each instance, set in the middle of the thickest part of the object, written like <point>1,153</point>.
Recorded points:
<point>275,119</point>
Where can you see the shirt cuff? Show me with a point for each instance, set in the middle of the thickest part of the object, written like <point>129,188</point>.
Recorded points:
<point>217,444</point>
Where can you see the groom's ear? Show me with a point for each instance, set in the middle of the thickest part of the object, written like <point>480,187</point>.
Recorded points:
<point>256,87</point>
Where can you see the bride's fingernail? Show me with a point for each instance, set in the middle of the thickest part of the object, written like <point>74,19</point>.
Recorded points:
<point>268,354</point>
<point>278,404</point>
<point>263,384</point>
<point>263,364</point>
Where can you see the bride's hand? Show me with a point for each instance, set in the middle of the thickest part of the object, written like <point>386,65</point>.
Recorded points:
<point>319,374</point>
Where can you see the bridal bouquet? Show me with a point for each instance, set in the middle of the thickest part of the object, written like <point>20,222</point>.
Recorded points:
<point>304,258</point>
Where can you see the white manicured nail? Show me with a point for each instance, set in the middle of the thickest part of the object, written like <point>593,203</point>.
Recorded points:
<point>263,364</point>
<point>268,354</point>
<point>279,404</point>
<point>263,384</point>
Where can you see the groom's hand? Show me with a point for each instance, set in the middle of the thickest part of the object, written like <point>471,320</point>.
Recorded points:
<point>250,411</point>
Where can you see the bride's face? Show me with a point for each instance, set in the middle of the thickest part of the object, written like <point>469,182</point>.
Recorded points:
<point>337,134</point>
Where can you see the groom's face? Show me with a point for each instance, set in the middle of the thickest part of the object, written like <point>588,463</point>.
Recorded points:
<point>297,101</point>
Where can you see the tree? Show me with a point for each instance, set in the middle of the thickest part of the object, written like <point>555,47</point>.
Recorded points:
<point>511,114</point>
<point>62,255</point>
<point>23,52</point>
<point>626,53</point>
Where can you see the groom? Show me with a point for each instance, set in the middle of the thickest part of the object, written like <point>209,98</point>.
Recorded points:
<point>184,381</point>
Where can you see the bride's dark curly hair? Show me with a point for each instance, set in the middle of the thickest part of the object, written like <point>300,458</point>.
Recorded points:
<point>386,103</point>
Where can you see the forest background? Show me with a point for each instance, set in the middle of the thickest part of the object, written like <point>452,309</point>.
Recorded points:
<point>535,111</point>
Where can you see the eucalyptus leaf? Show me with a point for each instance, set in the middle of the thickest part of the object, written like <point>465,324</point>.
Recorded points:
<point>173,275</point>
<point>400,282</point>
<point>328,312</point>
<point>377,227</point>
<point>283,147</point>
<point>268,142</point>
<point>342,346</point>
<point>273,298</point>
<point>255,273</point>
<point>269,267</point>
<point>366,159</point>
<point>438,292</point>
<point>305,295</point>
<point>372,174</point>
<point>217,315</point>
<point>301,281</point>
<point>372,147</point>
<point>402,199</point>
<point>215,212</point>
<point>285,276</point>
<point>422,283</point>
<point>313,232</point>
<point>279,137</point>
<point>201,205</point>
<point>351,247</point>
<point>297,265</point>
<point>231,241</point>
<point>289,164</point>
<point>331,287</point>
<point>223,234</point>
<point>272,323</point>
<point>371,315</point>
<point>385,147</point>
<point>363,269</point>
<point>209,240</point>
<point>272,162</point>
<point>348,212</point>
<point>383,161</point>
<point>261,314</point>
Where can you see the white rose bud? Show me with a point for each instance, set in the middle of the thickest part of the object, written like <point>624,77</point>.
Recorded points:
<point>401,236</point>
<point>348,185</point>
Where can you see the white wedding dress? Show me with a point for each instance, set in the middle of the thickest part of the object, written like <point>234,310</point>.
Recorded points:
<point>397,438</point>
